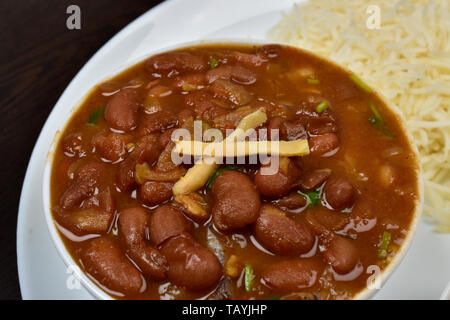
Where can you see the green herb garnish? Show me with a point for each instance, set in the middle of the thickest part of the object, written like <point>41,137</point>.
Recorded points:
<point>95,115</point>
<point>360,83</point>
<point>218,173</point>
<point>377,121</point>
<point>384,245</point>
<point>375,111</point>
<point>313,81</point>
<point>248,277</point>
<point>321,106</point>
<point>314,197</point>
<point>213,62</point>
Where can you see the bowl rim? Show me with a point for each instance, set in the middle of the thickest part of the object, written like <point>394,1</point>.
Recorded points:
<point>95,288</point>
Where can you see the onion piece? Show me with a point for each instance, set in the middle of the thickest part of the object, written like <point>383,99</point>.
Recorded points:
<point>143,173</point>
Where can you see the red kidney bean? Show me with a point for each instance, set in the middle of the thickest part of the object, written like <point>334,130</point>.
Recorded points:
<point>236,201</point>
<point>151,261</point>
<point>132,224</point>
<point>204,104</point>
<point>175,62</point>
<point>233,92</point>
<point>94,216</point>
<point>185,115</point>
<point>339,193</point>
<point>155,192</point>
<point>165,138</point>
<point>316,123</point>
<point>313,180</point>
<point>298,162</point>
<point>278,184</point>
<point>197,79</point>
<point>166,222</point>
<point>111,146</point>
<point>341,254</point>
<point>248,59</point>
<point>275,123</point>
<point>121,112</point>
<point>103,200</point>
<point>199,100</point>
<point>292,201</point>
<point>165,162</point>
<point>270,51</point>
<point>73,144</point>
<point>282,235</point>
<point>83,186</point>
<point>105,262</point>
<point>210,114</point>
<point>287,130</point>
<point>338,251</point>
<point>321,145</point>
<point>190,264</point>
<point>292,131</point>
<point>315,226</point>
<point>328,219</point>
<point>291,275</point>
<point>238,74</point>
<point>157,122</point>
<point>146,150</point>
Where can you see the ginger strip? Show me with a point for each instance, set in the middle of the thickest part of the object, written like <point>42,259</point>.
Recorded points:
<point>198,175</point>
<point>243,148</point>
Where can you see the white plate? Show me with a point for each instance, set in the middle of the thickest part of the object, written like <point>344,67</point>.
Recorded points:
<point>425,270</point>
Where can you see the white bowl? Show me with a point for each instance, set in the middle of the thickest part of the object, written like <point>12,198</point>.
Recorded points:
<point>88,282</point>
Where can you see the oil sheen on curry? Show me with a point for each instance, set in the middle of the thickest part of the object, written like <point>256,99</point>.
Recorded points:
<point>310,230</point>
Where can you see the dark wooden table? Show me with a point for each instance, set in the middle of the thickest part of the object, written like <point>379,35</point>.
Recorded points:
<point>39,56</point>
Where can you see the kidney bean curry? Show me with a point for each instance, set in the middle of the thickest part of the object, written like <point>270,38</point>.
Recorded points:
<point>309,231</point>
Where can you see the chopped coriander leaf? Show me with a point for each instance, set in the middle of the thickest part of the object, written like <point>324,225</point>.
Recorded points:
<point>95,115</point>
<point>377,121</point>
<point>218,173</point>
<point>274,298</point>
<point>374,121</point>
<point>213,62</point>
<point>384,245</point>
<point>380,127</point>
<point>248,277</point>
<point>361,84</point>
<point>313,81</point>
<point>375,111</point>
<point>321,106</point>
<point>314,197</point>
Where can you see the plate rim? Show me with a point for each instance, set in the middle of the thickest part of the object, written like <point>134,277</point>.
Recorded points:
<point>21,234</point>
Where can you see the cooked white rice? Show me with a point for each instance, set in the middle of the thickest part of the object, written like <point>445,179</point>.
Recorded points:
<point>407,59</point>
